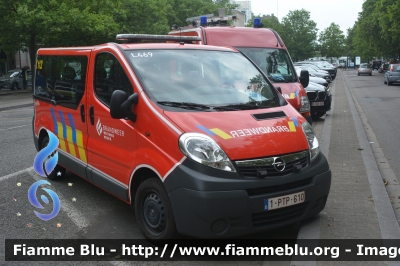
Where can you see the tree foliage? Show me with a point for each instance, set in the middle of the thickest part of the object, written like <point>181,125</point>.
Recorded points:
<point>331,41</point>
<point>377,30</point>
<point>54,23</point>
<point>299,33</point>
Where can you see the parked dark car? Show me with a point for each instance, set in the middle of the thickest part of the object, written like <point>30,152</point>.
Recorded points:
<point>383,68</point>
<point>319,97</point>
<point>392,75</point>
<point>376,64</point>
<point>13,80</point>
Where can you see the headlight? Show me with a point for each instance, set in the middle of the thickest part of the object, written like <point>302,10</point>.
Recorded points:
<point>205,150</point>
<point>304,104</point>
<point>312,139</point>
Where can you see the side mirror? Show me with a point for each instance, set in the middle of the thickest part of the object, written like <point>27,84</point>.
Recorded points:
<point>278,89</point>
<point>304,78</point>
<point>121,105</point>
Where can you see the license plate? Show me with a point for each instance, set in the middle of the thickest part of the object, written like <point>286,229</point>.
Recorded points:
<point>317,104</point>
<point>332,75</point>
<point>284,201</point>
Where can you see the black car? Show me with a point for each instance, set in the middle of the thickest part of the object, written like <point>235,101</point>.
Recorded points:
<point>320,99</point>
<point>383,68</point>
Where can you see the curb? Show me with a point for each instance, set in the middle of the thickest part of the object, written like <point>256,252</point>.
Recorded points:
<point>10,92</point>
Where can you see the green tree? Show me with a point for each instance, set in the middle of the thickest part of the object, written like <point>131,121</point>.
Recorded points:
<point>387,13</point>
<point>268,21</point>
<point>332,41</point>
<point>299,33</point>
<point>367,39</point>
<point>34,23</point>
<point>348,44</point>
<point>180,10</point>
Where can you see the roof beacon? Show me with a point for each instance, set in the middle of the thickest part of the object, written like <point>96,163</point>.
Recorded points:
<point>203,21</point>
<point>257,23</point>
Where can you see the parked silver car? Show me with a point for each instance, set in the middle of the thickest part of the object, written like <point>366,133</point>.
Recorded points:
<point>13,80</point>
<point>392,75</point>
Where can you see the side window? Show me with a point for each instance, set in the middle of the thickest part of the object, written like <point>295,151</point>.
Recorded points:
<point>62,79</point>
<point>109,76</point>
<point>43,77</point>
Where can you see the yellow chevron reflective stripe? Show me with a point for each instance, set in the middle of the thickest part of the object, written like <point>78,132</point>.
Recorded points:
<point>220,133</point>
<point>71,145</point>
<point>292,127</point>
<point>81,149</point>
<point>60,136</point>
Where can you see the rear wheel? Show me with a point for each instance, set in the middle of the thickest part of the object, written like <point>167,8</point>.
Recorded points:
<point>153,211</point>
<point>59,171</point>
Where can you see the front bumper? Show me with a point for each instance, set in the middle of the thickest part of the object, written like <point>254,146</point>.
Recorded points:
<point>317,97</point>
<point>206,205</point>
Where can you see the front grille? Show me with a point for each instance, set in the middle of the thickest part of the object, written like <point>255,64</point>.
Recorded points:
<point>279,188</point>
<point>264,167</point>
<point>279,216</point>
<point>312,95</point>
<point>322,95</point>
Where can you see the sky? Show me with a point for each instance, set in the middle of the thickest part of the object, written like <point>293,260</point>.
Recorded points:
<point>323,12</point>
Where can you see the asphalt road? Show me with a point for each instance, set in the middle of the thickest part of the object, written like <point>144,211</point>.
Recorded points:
<point>381,105</point>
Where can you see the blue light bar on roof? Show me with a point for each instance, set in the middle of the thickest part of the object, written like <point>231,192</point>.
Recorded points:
<point>203,21</point>
<point>257,22</point>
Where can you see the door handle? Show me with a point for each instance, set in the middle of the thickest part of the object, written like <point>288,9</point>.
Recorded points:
<point>91,114</point>
<point>83,113</point>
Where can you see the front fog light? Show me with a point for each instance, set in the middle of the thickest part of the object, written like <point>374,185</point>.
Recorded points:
<point>304,104</point>
<point>205,150</point>
<point>312,140</point>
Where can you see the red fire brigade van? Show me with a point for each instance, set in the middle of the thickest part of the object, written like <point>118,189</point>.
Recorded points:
<point>265,48</point>
<point>175,131</point>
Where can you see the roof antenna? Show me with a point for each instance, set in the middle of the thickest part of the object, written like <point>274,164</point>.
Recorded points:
<point>176,27</point>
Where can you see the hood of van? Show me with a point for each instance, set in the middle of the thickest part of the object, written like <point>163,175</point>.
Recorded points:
<point>248,133</point>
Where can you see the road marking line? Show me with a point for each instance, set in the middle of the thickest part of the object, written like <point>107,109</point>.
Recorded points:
<point>12,128</point>
<point>15,174</point>
<point>74,214</point>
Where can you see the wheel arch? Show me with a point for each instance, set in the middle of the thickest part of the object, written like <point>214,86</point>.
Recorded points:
<point>140,174</point>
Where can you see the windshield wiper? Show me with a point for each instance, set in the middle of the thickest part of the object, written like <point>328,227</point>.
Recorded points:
<point>184,105</point>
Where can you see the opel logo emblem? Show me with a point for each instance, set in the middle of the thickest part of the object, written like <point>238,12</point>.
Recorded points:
<point>279,164</point>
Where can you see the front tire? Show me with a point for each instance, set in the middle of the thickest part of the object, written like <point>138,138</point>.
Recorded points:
<point>59,171</point>
<point>318,114</point>
<point>14,86</point>
<point>153,211</point>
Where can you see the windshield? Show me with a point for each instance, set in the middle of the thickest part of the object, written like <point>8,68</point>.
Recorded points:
<point>198,78</point>
<point>275,63</point>
<point>11,74</point>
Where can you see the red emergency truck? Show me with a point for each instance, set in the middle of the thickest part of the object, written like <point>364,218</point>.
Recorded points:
<point>265,48</point>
